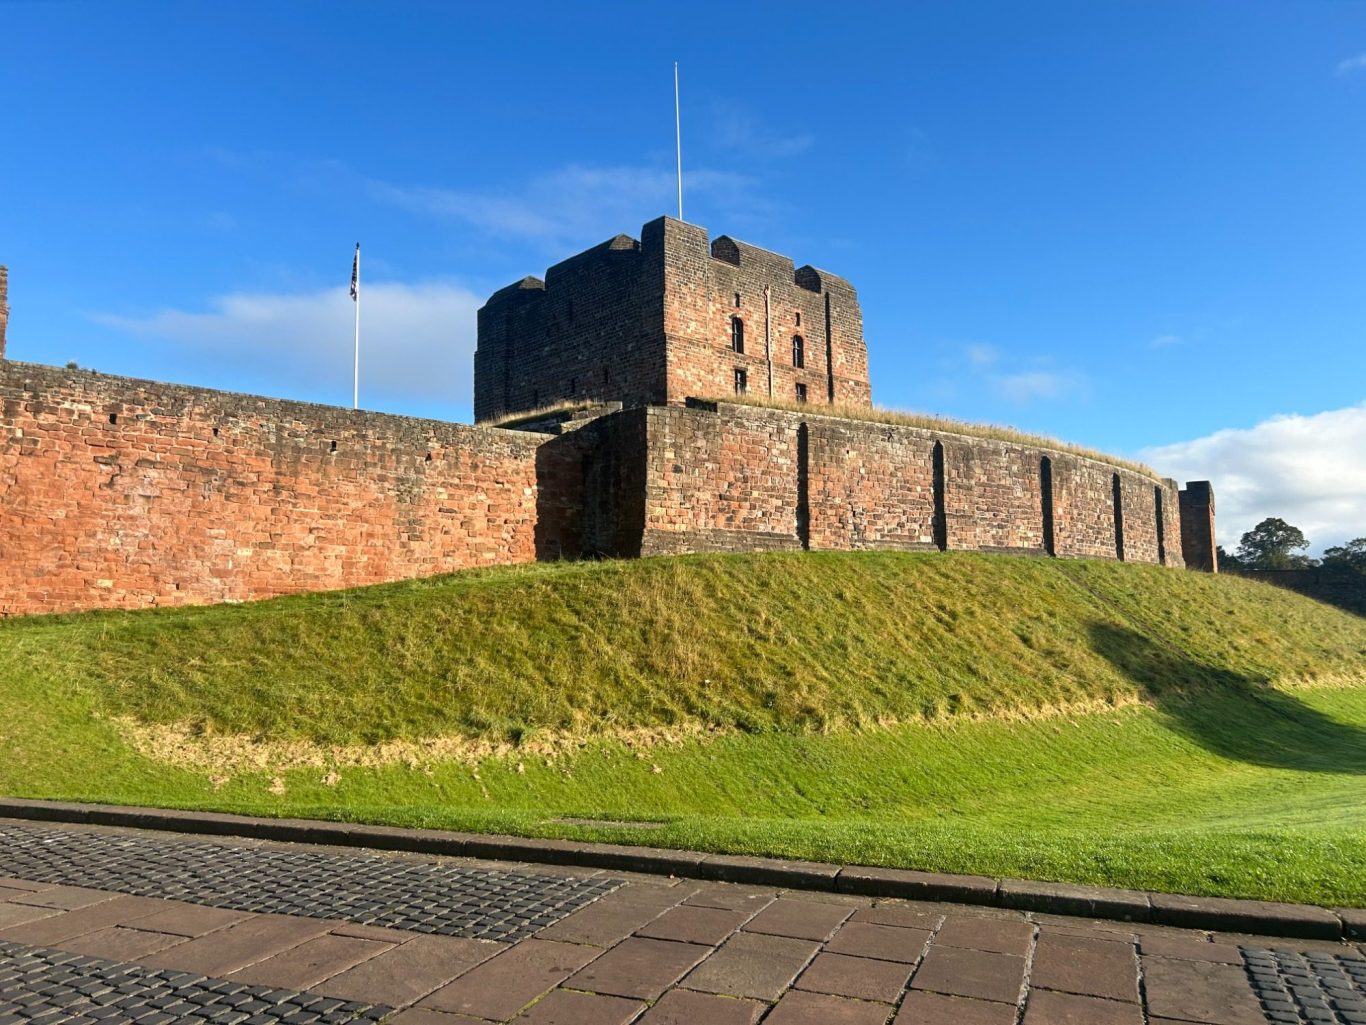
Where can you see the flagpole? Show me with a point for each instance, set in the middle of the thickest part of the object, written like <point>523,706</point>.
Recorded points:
<point>355,380</point>
<point>678,142</point>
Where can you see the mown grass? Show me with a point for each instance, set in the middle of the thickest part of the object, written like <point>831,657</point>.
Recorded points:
<point>1062,720</point>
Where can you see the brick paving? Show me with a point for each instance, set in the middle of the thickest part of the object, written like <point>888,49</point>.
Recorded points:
<point>640,950</point>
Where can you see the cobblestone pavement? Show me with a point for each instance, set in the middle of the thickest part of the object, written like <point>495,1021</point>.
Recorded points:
<point>48,985</point>
<point>433,898</point>
<point>1314,987</point>
<point>649,950</point>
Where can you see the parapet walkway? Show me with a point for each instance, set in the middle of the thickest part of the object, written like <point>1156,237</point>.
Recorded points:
<point>101,924</point>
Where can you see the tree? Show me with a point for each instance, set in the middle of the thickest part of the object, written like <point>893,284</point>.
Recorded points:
<point>1352,555</point>
<point>1271,544</point>
<point>1227,560</point>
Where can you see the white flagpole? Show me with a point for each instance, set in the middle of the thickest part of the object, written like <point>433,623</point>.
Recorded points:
<point>355,381</point>
<point>678,142</point>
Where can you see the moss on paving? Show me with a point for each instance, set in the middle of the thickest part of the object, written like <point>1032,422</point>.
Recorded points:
<point>901,709</point>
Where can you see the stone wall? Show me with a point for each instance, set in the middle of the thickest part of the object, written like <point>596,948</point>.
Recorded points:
<point>720,476</point>
<point>1343,588</point>
<point>117,493</point>
<point>1198,544</point>
<point>652,322</point>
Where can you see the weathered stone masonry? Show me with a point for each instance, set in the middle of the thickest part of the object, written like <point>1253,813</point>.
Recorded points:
<point>116,493</point>
<point>665,319</point>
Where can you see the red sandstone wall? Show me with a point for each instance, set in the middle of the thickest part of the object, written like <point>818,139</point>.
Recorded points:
<point>710,489</point>
<point>728,477</point>
<point>869,486</point>
<point>117,493</point>
<point>992,496</point>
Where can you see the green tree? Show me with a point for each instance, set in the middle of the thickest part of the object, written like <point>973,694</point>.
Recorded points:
<point>1272,544</point>
<point>1352,555</point>
<point>1227,560</point>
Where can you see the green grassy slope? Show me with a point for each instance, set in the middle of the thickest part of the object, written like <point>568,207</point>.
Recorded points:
<point>1064,720</point>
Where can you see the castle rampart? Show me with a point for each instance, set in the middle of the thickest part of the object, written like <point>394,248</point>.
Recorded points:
<point>668,317</point>
<point>119,493</point>
<point>726,477</point>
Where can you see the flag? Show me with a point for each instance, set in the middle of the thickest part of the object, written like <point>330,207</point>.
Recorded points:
<point>355,275</point>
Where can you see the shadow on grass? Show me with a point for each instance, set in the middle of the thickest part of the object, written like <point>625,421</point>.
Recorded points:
<point>1230,714</point>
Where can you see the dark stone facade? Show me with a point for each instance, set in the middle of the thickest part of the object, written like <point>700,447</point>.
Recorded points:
<point>1197,527</point>
<point>1340,587</point>
<point>653,322</point>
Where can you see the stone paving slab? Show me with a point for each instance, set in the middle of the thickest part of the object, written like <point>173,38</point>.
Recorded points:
<point>656,950</point>
<point>432,898</point>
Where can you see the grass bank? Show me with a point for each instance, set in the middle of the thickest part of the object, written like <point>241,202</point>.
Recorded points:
<point>1079,721</point>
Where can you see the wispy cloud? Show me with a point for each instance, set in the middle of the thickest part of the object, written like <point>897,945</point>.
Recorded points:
<point>575,205</point>
<point>981,356</point>
<point>1037,385</point>
<point>418,339</point>
<point>1164,341</point>
<point>1351,65</point>
<point>1308,470</point>
<point>736,128</point>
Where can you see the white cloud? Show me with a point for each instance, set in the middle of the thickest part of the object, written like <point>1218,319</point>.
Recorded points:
<point>1164,341</point>
<point>417,340</point>
<point>1351,65</point>
<point>981,356</point>
<point>1034,385</point>
<point>736,128</point>
<point>1308,470</point>
<point>576,205</point>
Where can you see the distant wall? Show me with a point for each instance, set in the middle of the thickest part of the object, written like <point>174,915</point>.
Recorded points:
<point>1343,588</point>
<point>118,493</point>
<point>730,477</point>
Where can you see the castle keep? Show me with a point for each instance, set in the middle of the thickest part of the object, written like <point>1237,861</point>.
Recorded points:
<point>668,318</point>
<point>120,493</point>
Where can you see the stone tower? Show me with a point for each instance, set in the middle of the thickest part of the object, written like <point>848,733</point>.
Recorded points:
<point>667,318</point>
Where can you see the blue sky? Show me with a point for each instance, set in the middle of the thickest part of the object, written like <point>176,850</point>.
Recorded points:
<point>1140,226</point>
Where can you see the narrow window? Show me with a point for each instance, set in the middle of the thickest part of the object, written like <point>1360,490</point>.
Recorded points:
<point>741,382</point>
<point>606,375</point>
<point>801,393</point>
<point>1161,527</point>
<point>1046,503</point>
<point>799,318</point>
<point>535,398</point>
<point>737,334</point>
<point>737,300</point>
<point>1119,517</point>
<point>573,385</point>
<point>798,351</point>
<point>940,526</point>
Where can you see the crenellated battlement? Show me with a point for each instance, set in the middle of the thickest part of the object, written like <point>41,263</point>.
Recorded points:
<point>653,321</point>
